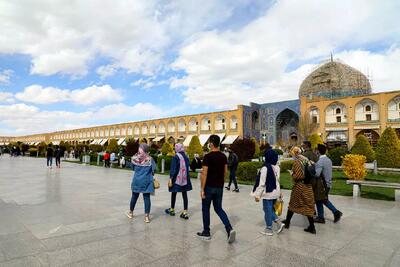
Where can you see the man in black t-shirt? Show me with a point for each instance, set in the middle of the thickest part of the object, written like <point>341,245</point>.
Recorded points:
<point>212,184</point>
<point>49,156</point>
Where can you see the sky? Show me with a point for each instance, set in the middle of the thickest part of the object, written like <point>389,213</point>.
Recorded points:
<point>69,64</point>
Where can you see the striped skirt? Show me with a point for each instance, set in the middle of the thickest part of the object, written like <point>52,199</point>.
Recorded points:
<point>302,199</point>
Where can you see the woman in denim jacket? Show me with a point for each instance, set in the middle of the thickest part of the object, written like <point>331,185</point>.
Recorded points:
<point>143,180</point>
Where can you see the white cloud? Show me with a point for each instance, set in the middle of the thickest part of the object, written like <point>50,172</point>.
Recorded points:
<point>5,76</point>
<point>66,36</point>
<point>86,96</point>
<point>22,119</point>
<point>106,71</point>
<point>6,97</point>
<point>251,64</point>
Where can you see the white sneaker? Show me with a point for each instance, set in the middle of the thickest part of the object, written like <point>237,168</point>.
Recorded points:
<point>129,214</point>
<point>146,219</point>
<point>231,236</point>
<point>267,231</point>
<point>280,226</point>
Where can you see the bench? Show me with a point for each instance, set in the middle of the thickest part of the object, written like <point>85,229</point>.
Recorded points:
<point>358,183</point>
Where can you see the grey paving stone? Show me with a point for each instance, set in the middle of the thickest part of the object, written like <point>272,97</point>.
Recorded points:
<point>75,217</point>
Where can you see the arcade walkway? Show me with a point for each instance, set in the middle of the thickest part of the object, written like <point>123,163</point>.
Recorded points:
<point>75,216</point>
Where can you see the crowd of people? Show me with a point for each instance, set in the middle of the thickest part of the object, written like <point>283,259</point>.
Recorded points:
<point>311,173</point>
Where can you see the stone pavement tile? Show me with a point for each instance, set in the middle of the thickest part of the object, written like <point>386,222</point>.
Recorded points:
<point>47,230</point>
<point>394,261</point>
<point>20,245</point>
<point>31,261</point>
<point>356,257</point>
<point>91,225</point>
<point>2,257</point>
<point>184,258</point>
<point>127,257</point>
<point>80,238</point>
<point>10,225</point>
<point>279,256</point>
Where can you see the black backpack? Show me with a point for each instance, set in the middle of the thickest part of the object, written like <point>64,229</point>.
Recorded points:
<point>309,172</point>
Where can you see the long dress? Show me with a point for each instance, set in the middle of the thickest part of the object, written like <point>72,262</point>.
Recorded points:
<point>302,196</point>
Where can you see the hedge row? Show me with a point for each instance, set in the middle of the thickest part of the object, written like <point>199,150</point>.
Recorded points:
<point>247,171</point>
<point>168,160</point>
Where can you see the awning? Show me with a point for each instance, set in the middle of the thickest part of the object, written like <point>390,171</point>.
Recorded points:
<point>366,127</point>
<point>120,141</point>
<point>123,143</point>
<point>204,138</point>
<point>230,139</point>
<point>158,138</point>
<point>103,142</point>
<point>37,143</point>
<point>56,143</point>
<point>187,140</point>
<point>94,142</point>
<point>221,136</point>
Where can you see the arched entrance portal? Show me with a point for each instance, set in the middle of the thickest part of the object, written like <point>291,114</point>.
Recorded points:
<point>371,135</point>
<point>286,127</point>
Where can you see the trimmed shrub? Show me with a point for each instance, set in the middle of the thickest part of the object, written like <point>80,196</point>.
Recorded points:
<point>257,150</point>
<point>32,152</point>
<point>388,149</point>
<point>315,139</point>
<point>195,147</point>
<point>167,149</point>
<point>278,151</point>
<point>336,155</point>
<point>286,165</point>
<point>354,166</point>
<point>112,146</point>
<point>168,160</point>
<point>247,171</point>
<point>244,149</point>
<point>96,148</point>
<point>363,147</point>
<point>154,149</point>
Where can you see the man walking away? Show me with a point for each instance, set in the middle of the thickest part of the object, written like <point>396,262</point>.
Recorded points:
<point>49,156</point>
<point>58,157</point>
<point>232,166</point>
<point>212,185</point>
<point>308,153</point>
<point>324,167</point>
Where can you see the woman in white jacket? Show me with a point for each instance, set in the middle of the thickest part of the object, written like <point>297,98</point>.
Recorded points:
<point>269,191</point>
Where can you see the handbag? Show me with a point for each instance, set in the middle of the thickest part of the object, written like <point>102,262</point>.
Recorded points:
<point>156,183</point>
<point>278,206</point>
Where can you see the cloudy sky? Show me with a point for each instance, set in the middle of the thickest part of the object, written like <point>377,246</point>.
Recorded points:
<point>67,64</point>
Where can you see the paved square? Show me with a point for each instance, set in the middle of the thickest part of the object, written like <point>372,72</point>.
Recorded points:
<point>75,216</point>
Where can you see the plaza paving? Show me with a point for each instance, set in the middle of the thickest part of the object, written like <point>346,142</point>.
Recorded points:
<point>75,216</point>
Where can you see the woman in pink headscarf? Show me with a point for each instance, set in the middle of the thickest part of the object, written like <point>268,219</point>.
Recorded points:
<point>179,180</point>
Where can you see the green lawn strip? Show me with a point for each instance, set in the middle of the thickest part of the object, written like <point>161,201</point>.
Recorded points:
<point>339,186</point>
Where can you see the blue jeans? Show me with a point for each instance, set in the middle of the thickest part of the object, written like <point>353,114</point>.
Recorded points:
<point>146,198</point>
<point>232,178</point>
<point>320,206</point>
<point>49,161</point>
<point>214,195</point>
<point>269,212</point>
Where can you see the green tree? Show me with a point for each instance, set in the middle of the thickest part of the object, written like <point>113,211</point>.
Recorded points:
<point>112,146</point>
<point>315,139</point>
<point>363,147</point>
<point>256,147</point>
<point>336,155</point>
<point>131,147</point>
<point>195,147</point>
<point>243,148</point>
<point>388,149</point>
<point>167,149</point>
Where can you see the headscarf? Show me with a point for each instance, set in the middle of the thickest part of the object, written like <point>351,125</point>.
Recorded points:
<point>179,148</point>
<point>142,158</point>
<point>181,178</point>
<point>271,158</point>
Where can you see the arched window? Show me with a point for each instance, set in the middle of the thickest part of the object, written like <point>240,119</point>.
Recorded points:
<point>153,128</point>
<point>193,124</point>
<point>144,129</point>
<point>205,124</point>
<point>220,123</point>
<point>233,123</point>
<point>171,127</point>
<point>368,108</point>
<point>182,126</point>
<point>130,130</point>
<point>338,110</point>
<point>161,128</point>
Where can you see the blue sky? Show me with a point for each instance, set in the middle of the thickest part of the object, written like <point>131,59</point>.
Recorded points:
<point>66,65</point>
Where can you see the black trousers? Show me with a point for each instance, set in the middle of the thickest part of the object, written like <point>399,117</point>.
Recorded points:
<point>185,200</point>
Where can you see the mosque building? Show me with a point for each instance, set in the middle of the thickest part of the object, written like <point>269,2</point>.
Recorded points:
<point>337,98</point>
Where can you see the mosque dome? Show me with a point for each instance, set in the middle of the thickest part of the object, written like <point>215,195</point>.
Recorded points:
<point>335,79</point>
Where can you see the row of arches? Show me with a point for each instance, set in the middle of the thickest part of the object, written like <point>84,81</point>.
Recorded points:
<point>367,110</point>
<point>220,123</point>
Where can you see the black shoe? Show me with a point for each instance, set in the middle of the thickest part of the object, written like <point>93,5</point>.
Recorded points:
<point>227,188</point>
<point>319,220</point>
<point>337,216</point>
<point>310,230</point>
<point>236,190</point>
<point>184,215</point>
<point>170,212</point>
<point>286,223</point>
<point>203,235</point>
